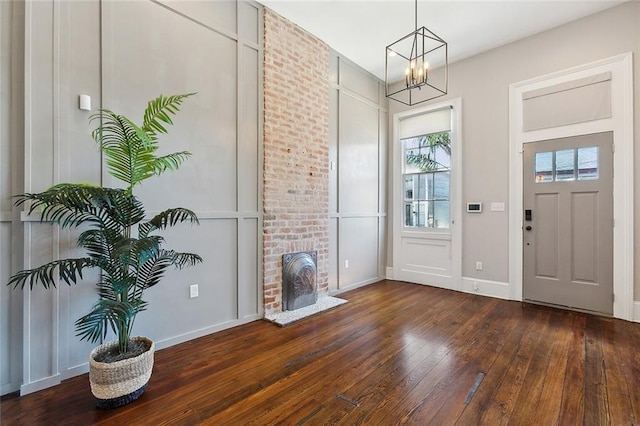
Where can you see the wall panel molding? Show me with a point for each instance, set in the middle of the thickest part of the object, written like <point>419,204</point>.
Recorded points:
<point>77,48</point>
<point>357,175</point>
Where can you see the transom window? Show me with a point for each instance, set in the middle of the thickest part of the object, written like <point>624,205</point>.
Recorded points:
<point>427,180</point>
<point>567,165</point>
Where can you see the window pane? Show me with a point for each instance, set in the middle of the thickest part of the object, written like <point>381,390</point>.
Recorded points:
<point>441,186</point>
<point>426,185</point>
<point>408,215</point>
<point>428,195</point>
<point>443,157</point>
<point>441,214</point>
<point>422,212</point>
<point>416,213</point>
<point>544,167</point>
<point>418,186</point>
<point>565,164</point>
<point>411,149</point>
<point>408,187</point>
<point>588,163</point>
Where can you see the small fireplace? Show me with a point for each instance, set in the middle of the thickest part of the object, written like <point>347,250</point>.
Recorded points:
<point>299,274</point>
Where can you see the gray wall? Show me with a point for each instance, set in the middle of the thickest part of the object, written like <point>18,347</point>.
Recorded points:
<point>483,84</point>
<point>357,181</point>
<point>98,48</point>
<point>11,182</point>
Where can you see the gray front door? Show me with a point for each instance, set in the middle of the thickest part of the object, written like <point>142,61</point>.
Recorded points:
<point>568,223</point>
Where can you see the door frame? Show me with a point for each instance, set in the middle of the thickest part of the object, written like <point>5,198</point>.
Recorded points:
<point>621,123</point>
<point>453,281</point>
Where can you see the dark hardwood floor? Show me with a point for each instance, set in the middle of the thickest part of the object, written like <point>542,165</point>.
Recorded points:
<point>396,353</point>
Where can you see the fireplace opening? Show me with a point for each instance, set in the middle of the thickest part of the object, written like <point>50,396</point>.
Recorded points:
<point>299,275</point>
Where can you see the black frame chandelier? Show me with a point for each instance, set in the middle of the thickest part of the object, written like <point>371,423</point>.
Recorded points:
<point>416,66</point>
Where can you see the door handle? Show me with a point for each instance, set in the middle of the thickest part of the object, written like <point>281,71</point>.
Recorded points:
<point>528,228</point>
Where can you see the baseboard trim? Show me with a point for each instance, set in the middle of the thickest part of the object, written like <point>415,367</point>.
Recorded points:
<point>40,384</point>
<point>355,285</point>
<point>8,388</point>
<point>389,273</point>
<point>78,370</point>
<point>161,344</point>
<point>487,288</point>
<point>636,311</point>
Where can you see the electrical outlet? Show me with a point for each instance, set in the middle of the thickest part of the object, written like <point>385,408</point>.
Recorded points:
<point>475,286</point>
<point>346,264</point>
<point>193,291</point>
<point>478,266</point>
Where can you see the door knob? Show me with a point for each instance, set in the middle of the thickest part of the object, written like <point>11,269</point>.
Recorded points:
<point>528,228</point>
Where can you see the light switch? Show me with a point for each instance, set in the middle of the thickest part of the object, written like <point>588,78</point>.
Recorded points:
<point>497,207</point>
<point>84,102</point>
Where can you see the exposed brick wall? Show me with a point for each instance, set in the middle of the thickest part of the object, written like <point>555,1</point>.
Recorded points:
<point>296,151</point>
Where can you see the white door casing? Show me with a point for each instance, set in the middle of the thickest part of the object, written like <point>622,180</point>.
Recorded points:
<point>621,124</point>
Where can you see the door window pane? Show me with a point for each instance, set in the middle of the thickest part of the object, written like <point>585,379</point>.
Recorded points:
<point>441,183</point>
<point>561,165</point>
<point>565,164</point>
<point>588,163</point>
<point>544,167</point>
<point>427,176</point>
<point>440,214</point>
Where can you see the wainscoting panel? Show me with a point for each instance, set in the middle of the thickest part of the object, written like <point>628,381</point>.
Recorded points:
<point>358,250</point>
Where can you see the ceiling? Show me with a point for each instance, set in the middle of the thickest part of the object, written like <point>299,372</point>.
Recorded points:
<point>361,29</point>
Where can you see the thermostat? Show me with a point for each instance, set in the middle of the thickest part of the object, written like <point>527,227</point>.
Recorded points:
<point>474,207</point>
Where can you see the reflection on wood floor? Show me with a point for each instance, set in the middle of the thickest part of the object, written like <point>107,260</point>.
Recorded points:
<point>395,353</point>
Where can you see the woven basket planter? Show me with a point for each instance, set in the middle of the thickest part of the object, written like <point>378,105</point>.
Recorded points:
<point>118,383</point>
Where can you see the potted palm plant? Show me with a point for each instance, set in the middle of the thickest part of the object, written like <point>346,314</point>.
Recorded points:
<point>121,241</point>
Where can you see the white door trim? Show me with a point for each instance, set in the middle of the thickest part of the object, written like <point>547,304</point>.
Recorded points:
<point>621,123</point>
<point>453,281</point>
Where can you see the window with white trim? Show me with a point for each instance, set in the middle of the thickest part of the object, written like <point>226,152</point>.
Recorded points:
<point>426,170</point>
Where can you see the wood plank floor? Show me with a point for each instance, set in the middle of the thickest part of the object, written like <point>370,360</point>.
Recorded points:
<point>396,353</point>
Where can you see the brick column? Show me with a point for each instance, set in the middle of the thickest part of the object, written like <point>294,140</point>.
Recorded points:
<point>296,151</point>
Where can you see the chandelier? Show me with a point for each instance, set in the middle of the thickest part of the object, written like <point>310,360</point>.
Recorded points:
<point>416,66</point>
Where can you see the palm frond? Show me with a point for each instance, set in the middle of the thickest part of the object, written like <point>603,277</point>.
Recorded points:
<point>158,111</point>
<point>65,204</point>
<point>130,149</point>
<point>182,260</point>
<point>170,161</point>
<point>107,314</point>
<point>167,218</point>
<point>69,271</point>
<point>151,271</point>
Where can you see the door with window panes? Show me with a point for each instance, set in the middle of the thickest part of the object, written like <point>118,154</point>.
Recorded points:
<point>424,248</point>
<point>568,223</point>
